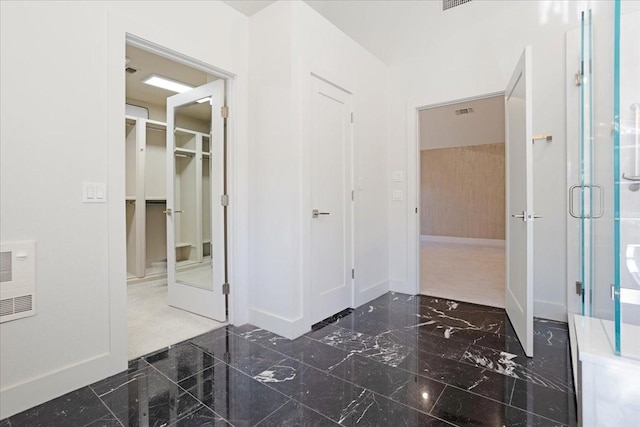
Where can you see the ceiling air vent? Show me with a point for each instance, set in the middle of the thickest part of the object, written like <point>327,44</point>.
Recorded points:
<point>464,111</point>
<point>130,70</point>
<point>448,4</point>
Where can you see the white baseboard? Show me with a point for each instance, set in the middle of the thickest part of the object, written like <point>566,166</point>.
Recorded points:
<point>550,310</point>
<point>288,328</point>
<point>20,397</point>
<point>371,293</point>
<point>403,287</point>
<point>464,240</point>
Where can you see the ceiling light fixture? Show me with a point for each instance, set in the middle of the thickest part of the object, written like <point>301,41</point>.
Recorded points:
<point>167,84</point>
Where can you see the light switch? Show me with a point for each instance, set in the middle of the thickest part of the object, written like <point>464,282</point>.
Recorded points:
<point>94,192</point>
<point>397,176</point>
<point>397,195</point>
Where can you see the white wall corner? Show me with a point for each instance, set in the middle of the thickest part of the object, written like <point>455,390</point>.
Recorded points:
<point>365,295</point>
<point>550,310</point>
<point>402,286</point>
<point>288,328</point>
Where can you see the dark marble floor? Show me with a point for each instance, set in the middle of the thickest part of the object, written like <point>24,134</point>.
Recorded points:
<point>396,361</point>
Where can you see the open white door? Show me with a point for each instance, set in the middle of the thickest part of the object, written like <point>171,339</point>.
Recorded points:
<point>519,202</point>
<point>195,215</point>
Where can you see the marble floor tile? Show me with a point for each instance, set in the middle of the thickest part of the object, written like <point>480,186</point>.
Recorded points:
<point>397,384</point>
<point>203,417</point>
<point>373,347</point>
<point>235,396</point>
<point>243,354</point>
<point>294,414</point>
<point>326,394</point>
<point>147,397</point>
<point>542,371</point>
<point>376,410</point>
<point>399,360</point>
<point>461,375</point>
<point>181,361</point>
<point>78,408</point>
<point>553,404</point>
<point>465,409</point>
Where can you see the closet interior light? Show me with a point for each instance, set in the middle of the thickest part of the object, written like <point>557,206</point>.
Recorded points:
<point>165,83</point>
<point>207,99</point>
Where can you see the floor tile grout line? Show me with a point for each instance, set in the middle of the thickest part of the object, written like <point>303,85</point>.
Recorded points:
<point>202,404</point>
<point>106,406</point>
<point>512,391</point>
<point>272,412</point>
<point>438,399</point>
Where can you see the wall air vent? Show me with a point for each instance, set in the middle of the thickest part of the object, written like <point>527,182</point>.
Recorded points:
<point>464,111</point>
<point>130,70</point>
<point>17,280</point>
<point>448,4</point>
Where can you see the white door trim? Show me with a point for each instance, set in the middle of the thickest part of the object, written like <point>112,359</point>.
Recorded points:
<point>412,284</point>
<point>232,168</point>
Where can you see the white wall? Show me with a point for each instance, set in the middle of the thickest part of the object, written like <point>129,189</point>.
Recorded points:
<point>440,127</point>
<point>288,40</point>
<point>60,127</point>
<point>478,58</point>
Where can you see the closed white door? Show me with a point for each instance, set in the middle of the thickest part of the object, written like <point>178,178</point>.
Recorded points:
<point>519,202</point>
<point>331,215</point>
<point>195,184</point>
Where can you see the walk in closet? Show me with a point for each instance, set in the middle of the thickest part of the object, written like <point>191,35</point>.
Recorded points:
<point>146,183</point>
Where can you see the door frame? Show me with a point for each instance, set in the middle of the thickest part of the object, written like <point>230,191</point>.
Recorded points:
<point>412,284</point>
<point>231,91</point>
<point>303,323</point>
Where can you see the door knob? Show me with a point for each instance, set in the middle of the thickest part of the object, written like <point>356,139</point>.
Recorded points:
<point>315,213</point>
<point>522,215</point>
<point>169,211</point>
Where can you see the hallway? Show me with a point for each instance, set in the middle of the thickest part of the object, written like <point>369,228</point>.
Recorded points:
<point>398,360</point>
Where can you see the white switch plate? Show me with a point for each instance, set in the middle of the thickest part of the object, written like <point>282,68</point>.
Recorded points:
<point>397,176</point>
<point>94,192</point>
<point>397,195</point>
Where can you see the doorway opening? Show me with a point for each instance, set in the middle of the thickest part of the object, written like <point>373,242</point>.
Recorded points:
<point>175,175</point>
<point>462,200</point>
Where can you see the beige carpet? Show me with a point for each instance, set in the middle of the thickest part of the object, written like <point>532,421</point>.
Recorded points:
<point>463,272</point>
<point>153,325</point>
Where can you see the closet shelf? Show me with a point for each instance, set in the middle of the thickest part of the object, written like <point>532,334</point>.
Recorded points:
<point>183,245</point>
<point>184,151</point>
<point>156,199</point>
<point>130,198</point>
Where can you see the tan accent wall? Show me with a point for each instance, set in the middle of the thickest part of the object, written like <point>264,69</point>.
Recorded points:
<point>462,191</point>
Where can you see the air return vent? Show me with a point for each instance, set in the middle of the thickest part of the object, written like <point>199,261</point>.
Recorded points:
<point>462,111</point>
<point>17,280</point>
<point>448,4</point>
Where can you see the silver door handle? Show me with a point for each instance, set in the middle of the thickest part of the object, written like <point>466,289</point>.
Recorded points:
<point>315,213</point>
<point>169,211</point>
<point>524,218</point>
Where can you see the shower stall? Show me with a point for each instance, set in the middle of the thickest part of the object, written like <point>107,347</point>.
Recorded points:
<point>603,257</point>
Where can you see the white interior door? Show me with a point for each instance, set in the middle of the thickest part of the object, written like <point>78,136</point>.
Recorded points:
<point>195,215</point>
<point>331,218</point>
<point>519,202</point>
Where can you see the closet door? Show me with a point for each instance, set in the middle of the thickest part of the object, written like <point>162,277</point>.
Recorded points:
<point>196,276</point>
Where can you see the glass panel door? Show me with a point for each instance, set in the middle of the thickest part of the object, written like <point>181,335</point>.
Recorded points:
<point>195,216</point>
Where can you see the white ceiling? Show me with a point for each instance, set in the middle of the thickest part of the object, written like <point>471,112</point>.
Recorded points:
<point>389,29</point>
<point>440,127</point>
<point>148,63</point>
<point>248,7</point>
